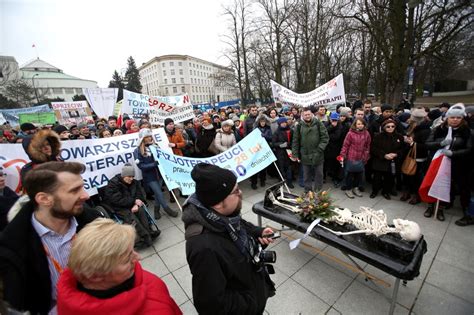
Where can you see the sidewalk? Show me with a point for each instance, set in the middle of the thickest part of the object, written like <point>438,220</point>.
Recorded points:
<point>310,282</point>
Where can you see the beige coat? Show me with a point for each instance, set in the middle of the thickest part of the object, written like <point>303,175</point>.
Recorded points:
<point>224,141</point>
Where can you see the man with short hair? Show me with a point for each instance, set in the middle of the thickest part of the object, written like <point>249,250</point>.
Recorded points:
<point>250,120</point>
<point>321,113</point>
<point>112,123</point>
<point>369,115</point>
<point>309,142</point>
<point>35,245</point>
<point>221,247</point>
<point>359,113</point>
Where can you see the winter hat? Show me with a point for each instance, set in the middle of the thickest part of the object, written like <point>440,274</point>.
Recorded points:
<point>282,120</point>
<point>434,114</point>
<point>235,118</point>
<point>145,132</point>
<point>168,121</point>
<point>82,125</point>
<point>213,184</point>
<point>344,111</point>
<point>386,107</point>
<point>470,110</point>
<point>129,124</point>
<point>334,116</point>
<point>228,122</point>
<point>59,129</point>
<point>27,127</point>
<point>403,117</point>
<point>457,110</point>
<point>388,121</point>
<point>446,105</point>
<point>128,170</point>
<point>418,114</point>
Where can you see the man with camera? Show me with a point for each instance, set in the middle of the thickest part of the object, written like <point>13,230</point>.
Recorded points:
<point>224,252</point>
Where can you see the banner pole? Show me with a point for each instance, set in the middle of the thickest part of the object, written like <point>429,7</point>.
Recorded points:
<point>436,209</point>
<point>176,199</point>
<point>281,176</point>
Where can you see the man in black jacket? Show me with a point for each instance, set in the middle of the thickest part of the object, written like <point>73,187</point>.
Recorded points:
<point>221,247</point>
<point>35,245</point>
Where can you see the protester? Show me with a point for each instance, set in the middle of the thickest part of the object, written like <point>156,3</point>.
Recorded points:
<point>7,198</point>
<point>124,195</point>
<point>262,123</point>
<point>238,128</point>
<point>26,129</point>
<point>386,147</point>
<point>84,131</point>
<point>309,142</point>
<point>105,276</point>
<point>273,119</point>
<point>225,276</point>
<point>152,177</point>
<point>74,133</point>
<point>117,132</point>
<point>188,149</point>
<point>281,141</point>
<point>175,137</point>
<point>131,126</point>
<point>336,134</point>
<point>249,122</point>
<point>225,137</point>
<point>321,114</point>
<point>459,149</point>
<point>112,124</point>
<point>35,245</point>
<point>205,136</point>
<point>105,133</point>
<point>355,151</point>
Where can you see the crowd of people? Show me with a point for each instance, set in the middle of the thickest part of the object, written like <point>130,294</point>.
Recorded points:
<point>350,147</point>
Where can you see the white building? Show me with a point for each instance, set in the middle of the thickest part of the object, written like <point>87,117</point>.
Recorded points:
<point>49,81</point>
<point>203,81</point>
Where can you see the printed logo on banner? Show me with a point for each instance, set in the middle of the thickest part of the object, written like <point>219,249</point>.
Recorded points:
<point>12,168</point>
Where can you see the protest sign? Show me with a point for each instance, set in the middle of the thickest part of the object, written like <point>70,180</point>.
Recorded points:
<point>2,119</point>
<point>12,115</point>
<point>72,113</point>
<point>38,118</point>
<point>103,158</point>
<point>102,101</point>
<point>135,104</point>
<point>180,110</point>
<point>330,93</point>
<point>248,157</point>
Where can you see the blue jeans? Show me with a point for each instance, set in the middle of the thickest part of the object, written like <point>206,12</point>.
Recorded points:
<point>155,186</point>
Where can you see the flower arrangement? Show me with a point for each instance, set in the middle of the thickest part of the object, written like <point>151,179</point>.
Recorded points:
<point>315,205</point>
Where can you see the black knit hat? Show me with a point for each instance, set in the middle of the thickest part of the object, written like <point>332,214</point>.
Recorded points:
<point>168,121</point>
<point>386,107</point>
<point>27,127</point>
<point>213,184</point>
<point>60,128</point>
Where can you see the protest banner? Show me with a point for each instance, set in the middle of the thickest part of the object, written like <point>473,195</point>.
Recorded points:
<point>38,118</point>
<point>102,101</point>
<point>12,115</point>
<point>180,110</point>
<point>246,158</point>
<point>72,113</point>
<point>328,94</point>
<point>2,119</point>
<point>103,158</point>
<point>134,104</point>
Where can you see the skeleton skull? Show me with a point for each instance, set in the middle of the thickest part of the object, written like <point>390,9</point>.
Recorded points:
<point>409,230</point>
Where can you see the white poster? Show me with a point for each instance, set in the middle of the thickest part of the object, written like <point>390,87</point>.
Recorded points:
<point>102,101</point>
<point>160,108</point>
<point>72,113</point>
<point>103,157</point>
<point>330,93</point>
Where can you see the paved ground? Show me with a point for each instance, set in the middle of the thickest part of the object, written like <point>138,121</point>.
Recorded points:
<point>309,282</point>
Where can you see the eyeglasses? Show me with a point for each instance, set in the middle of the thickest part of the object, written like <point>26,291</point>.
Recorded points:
<point>389,126</point>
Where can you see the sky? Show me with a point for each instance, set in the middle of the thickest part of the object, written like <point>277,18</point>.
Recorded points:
<point>90,39</point>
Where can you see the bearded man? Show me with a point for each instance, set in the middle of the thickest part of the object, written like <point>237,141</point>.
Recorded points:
<point>35,245</point>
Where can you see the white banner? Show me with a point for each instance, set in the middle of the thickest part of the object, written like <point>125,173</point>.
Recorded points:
<point>2,119</point>
<point>103,158</point>
<point>330,93</point>
<point>134,104</point>
<point>101,100</point>
<point>72,113</point>
<point>180,110</point>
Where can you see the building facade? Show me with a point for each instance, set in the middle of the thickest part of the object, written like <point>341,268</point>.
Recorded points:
<point>203,81</point>
<point>47,80</point>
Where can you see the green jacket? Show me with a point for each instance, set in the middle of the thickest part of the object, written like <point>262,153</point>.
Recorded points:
<point>309,142</point>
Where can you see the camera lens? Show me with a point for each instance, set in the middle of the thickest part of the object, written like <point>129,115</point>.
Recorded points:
<point>268,256</point>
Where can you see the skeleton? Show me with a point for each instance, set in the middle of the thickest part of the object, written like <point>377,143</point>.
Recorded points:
<point>367,221</point>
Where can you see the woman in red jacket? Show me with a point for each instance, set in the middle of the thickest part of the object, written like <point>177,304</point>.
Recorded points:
<point>355,151</point>
<point>105,277</point>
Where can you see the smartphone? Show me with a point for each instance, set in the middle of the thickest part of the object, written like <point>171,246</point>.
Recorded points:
<point>273,235</point>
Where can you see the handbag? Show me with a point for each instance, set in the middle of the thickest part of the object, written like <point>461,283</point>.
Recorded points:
<point>212,148</point>
<point>409,164</point>
<point>355,166</point>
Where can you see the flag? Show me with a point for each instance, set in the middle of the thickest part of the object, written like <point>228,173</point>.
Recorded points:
<point>436,184</point>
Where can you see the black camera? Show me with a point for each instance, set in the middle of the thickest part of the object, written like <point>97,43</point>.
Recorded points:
<point>267,256</point>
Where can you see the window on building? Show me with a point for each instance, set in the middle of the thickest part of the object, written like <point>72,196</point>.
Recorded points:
<point>171,64</point>
<point>180,63</point>
<point>182,80</point>
<point>181,71</point>
<point>57,91</point>
<point>172,71</point>
<point>164,72</point>
<point>166,81</point>
<point>163,64</point>
<point>183,89</point>
<point>173,80</point>
<point>175,89</point>
<point>78,91</point>
<point>190,72</point>
<point>166,91</point>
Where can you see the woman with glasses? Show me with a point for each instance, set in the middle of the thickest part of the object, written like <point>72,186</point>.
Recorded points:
<point>387,146</point>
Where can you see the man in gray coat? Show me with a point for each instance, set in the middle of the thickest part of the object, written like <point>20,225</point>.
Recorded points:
<point>309,142</point>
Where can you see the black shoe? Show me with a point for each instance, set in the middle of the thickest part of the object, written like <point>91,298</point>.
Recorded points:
<point>394,192</point>
<point>429,212</point>
<point>465,220</point>
<point>157,213</point>
<point>290,185</point>
<point>361,189</point>
<point>373,195</point>
<point>155,234</point>
<point>386,196</point>
<point>254,186</point>
<point>171,212</point>
<point>440,215</point>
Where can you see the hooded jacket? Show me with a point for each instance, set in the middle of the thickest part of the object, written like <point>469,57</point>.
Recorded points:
<point>310,141</point>
<point>149,295</point>
<point>224,281</point>
<point>32,146</point>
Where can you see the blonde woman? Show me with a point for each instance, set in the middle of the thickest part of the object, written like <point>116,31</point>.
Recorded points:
<point>105,276</point>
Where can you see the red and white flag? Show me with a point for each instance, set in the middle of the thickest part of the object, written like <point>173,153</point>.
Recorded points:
<point>436,184</point>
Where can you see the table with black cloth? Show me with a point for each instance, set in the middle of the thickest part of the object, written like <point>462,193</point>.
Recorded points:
<point>389,253</point>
